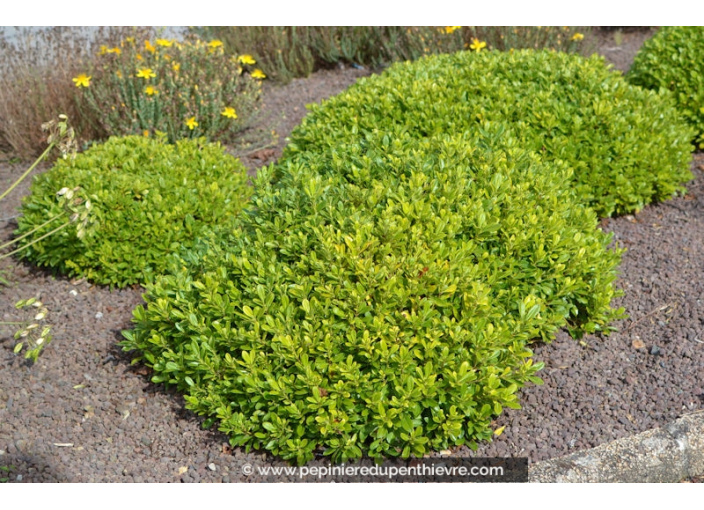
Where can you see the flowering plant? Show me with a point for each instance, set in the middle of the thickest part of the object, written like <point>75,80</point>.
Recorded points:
<point>181,89</point>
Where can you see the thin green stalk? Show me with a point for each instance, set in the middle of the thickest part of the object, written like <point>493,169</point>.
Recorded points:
<point>48,149</point>
<point>35,241</point>
<point>31,231</point>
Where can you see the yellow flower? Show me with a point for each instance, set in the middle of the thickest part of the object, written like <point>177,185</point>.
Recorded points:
<point>229,112</point>
<point>129,39</point>
<point>577,37</point>
<point>146,74</point>
<point>82,80</point>
<point>149,47</point>
<point>116,51</point>
<point>449,30</point>
<point>146,132</point>
<point>215,43</point>
<point>164,42</point>
<point>118,74</point>
<point>477,44</point>
<point>258,74</point>
<point>139,57</point>
<point>191,123</point>
<point>246,59</point>
<point>176,66</point>
<point>103,49</point>
<point>150,91</point>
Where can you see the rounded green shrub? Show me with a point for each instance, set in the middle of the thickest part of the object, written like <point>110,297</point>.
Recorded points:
<point>150,199</point>
<point>626,146</point>
<point>379,299</point>
<point>672,60</point>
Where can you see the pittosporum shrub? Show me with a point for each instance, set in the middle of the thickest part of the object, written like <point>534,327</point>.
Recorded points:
<point>626,146</point>
<point>379,300</point>
<point>149,199</point>
<point>672,59</point>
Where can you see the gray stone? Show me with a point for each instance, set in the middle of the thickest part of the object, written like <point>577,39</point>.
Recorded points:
<point>666,455</point>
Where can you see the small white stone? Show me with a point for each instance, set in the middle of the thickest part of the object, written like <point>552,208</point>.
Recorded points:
<point>212,467</point>
<point>99,315</point>
<point>73,292</point>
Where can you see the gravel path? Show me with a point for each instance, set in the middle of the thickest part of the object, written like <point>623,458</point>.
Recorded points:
<point>83,392</point>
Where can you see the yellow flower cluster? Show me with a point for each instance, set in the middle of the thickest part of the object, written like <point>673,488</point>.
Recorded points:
<point>105,50</point>
<point>449,30</point>
<point>477,44</point>
<point>82,80</point>
<point>229,112</point>
<point>146,74</point>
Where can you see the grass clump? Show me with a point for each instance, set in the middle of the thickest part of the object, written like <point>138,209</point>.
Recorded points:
<point>672,60</point>
<point>291,52</point>
<point>148,199</point>
<point>626,146</point>
<point>183,89</point>
<point>379,300</point>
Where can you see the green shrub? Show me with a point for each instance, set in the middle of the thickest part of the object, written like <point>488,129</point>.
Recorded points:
<point>149,199</point>
<point>627,146</point>
<point>379,300</point>
<point>184,89</point>
<point>672,59</point>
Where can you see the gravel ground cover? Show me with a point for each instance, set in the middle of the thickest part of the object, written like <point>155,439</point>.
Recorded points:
<point>82,413</point>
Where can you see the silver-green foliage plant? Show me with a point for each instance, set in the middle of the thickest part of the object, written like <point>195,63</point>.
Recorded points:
<point>672,60</point>
<point>379,300</point>
<point>626,146</point>
<point>149,199</point>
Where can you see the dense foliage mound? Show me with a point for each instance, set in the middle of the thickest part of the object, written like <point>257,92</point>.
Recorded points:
<point>379,300</point>
<point>672,59</point>
<point>627,146</point>
<point>149,199</point>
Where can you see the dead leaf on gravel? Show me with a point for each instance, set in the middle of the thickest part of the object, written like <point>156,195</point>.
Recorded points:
<point>182,470</point>
<point>638,344</point>
<point>226,449</point>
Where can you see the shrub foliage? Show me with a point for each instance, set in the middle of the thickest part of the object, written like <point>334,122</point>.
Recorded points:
<point>379,300</point>
<point>672,59</point>
<point>149,199</point>
<point>627,146</point>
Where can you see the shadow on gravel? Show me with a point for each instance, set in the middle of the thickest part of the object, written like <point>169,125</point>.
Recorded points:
<point>24,467</point>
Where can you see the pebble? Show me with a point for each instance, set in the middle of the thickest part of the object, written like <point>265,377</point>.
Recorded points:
<point>212,467</point>
<point>99,315</point>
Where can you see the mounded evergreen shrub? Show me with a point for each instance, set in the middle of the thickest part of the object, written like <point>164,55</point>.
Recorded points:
<point>149,199</point>
<point>626,146</point>
<point>379,299</point>
<point>672,60</point>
